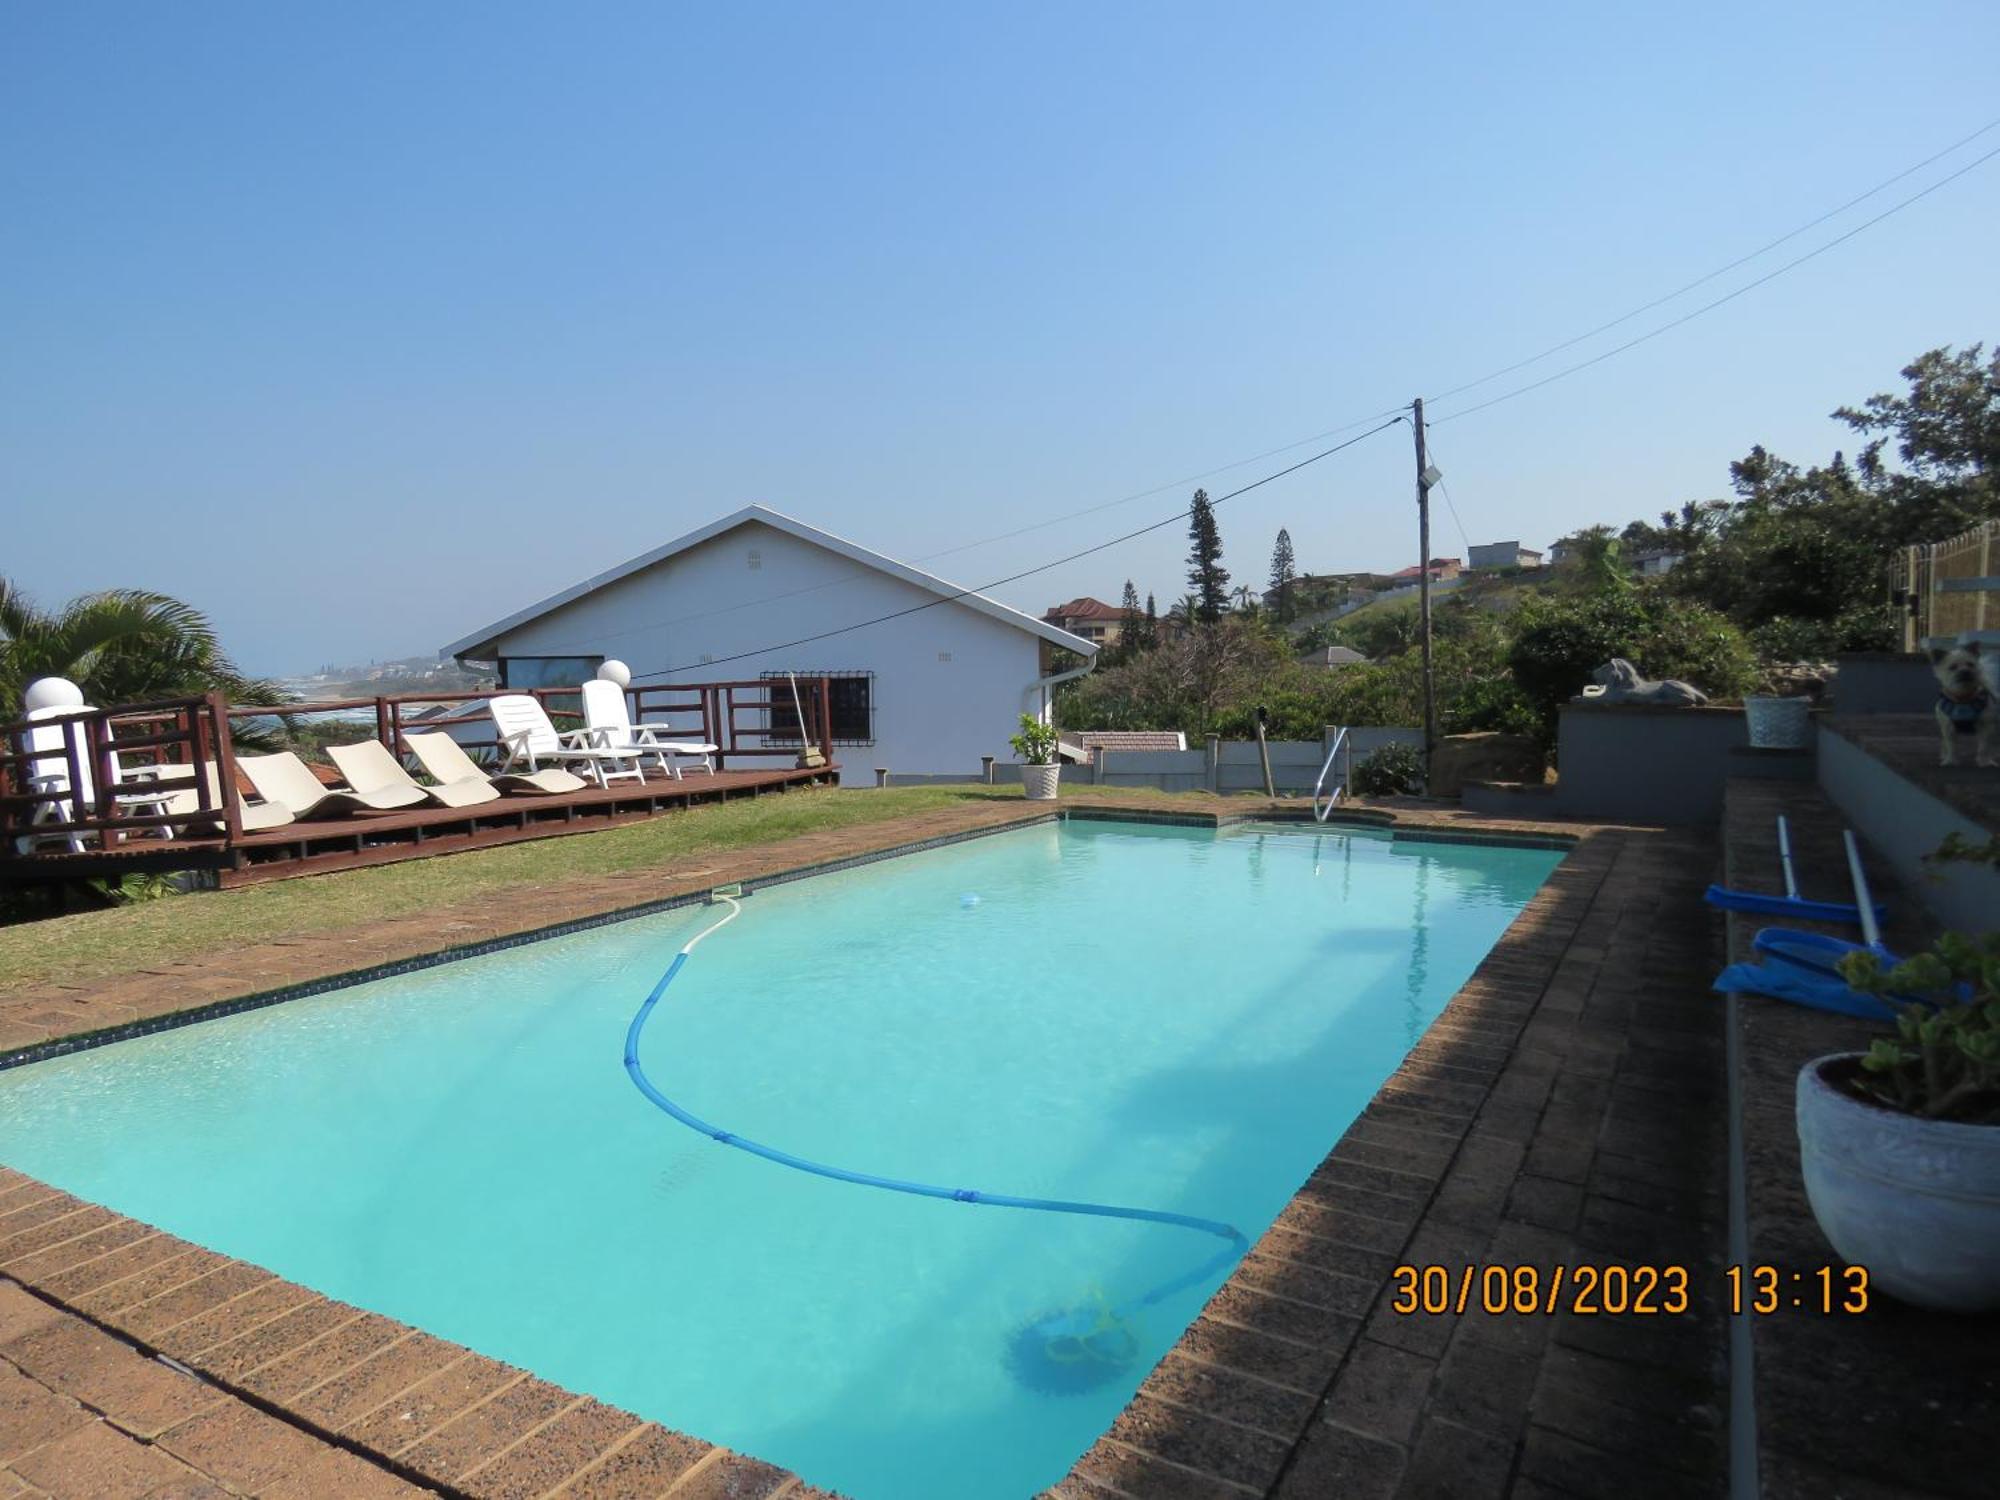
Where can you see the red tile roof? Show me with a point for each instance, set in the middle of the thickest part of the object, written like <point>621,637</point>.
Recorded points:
<point>1083,608</point>
<point>1438,564</point>
<point>1089,741</point>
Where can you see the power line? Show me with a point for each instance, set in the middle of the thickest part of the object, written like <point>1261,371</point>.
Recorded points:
<point>858,577</point>
<point>1706,307</point>
<point>1741,260</point>
<point>1394,412</point>
<point>1445,490</point>
<point>1163,488</point>
<point>1115,541</point>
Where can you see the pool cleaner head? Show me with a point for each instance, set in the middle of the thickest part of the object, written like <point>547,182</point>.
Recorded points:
<point>1074,1350</point>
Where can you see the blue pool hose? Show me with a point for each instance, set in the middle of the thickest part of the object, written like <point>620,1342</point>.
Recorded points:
<point>1054,1326</point>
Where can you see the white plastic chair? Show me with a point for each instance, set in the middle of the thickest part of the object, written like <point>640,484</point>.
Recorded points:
<point>56,731</point>
<point>608,721</point>
<point>527,735</point>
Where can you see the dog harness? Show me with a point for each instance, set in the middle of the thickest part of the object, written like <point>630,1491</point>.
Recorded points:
<point>1964,713</point>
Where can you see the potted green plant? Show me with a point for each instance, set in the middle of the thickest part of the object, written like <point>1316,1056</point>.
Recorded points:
<point>1901,1144</point>
<point>1036,744</point>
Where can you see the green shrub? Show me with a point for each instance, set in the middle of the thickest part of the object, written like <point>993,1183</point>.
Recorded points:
<point>1787,638</point>
<point>1561,641</point>
<point>1393,771</point>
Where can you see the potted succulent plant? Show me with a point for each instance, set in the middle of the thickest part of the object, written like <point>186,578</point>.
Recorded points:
<point>1901,1143</point>
<point>1036,745</point>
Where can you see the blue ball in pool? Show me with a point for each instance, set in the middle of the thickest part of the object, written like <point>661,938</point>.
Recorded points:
<point>968,900</point>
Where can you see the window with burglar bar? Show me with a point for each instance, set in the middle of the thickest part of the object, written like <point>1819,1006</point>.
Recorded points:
<point>850,695</point>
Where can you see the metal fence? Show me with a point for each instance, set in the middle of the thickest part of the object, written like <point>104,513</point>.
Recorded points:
<point>1948,587</point>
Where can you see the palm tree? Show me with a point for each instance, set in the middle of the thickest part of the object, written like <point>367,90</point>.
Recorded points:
<point>119,646</point>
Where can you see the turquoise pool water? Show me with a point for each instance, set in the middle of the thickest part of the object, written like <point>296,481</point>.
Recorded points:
<point>1141,1015</point>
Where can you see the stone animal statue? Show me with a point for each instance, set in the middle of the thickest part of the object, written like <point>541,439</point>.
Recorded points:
<point>1618,681</point>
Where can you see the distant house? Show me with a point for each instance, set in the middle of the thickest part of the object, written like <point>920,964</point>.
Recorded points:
<point>1087,618</point>
<point>1333,656</point>
<point>939,682</point>
<point>1655,564</point>
<point>1082,747</point>
<point>1441,567</point>
<point>1502,555</point>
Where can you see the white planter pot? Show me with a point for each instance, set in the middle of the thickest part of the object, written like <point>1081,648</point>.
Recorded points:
<point>1039,782</point>
<point>1778,723</point>
<point>1915,1201</point>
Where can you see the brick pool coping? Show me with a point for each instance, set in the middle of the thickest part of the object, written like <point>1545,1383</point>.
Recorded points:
<point>1234,1409</point>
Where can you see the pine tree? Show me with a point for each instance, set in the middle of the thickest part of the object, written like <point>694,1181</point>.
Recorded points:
<point>1206,576</point>
<point>1152,636</point>
<point>1284,573</point>
<point>1131,625</point>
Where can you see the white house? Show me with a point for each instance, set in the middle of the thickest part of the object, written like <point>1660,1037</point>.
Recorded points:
<point>1502,555</point>
<point>929,690</point>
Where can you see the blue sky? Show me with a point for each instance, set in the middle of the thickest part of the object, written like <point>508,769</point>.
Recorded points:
<point>361,326</point>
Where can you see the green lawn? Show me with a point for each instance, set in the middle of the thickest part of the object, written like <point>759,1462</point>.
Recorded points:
<point>93,944</point>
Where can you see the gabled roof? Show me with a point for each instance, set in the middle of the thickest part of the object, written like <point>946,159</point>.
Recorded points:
<point>1007,615</point>
<point>1084,745</point>
<point>1084,608</point>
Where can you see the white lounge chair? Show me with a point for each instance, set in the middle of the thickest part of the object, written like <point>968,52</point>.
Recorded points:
<point>445,759</point>
<point>607,719</point>
<point>527,735</point>
<point>284,779</point>
<point>369,767</point>
<point>255,817</point>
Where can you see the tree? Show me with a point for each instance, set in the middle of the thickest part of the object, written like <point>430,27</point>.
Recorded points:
<point>1947,434</point>
<point>1284,573</point>
<point>119,646</point>
<point>1206,576</point>
<point>1152,637</point>
<point>1559,641</point>
<point>1131,629</point>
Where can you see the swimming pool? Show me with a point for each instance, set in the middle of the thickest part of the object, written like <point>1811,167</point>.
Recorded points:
<point>1133,1014</point>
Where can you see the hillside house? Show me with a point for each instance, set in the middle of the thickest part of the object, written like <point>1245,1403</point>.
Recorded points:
<point>1502,555</point>
<point>1088,619</point>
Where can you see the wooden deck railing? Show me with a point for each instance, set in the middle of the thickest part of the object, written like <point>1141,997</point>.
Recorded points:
<point>92,774</point>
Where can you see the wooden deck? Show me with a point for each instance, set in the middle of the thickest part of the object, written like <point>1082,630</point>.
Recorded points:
<point>347,843</point>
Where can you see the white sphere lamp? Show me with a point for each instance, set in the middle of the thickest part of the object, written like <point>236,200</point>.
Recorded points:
<point>52,692</point>
<point>614,670</point>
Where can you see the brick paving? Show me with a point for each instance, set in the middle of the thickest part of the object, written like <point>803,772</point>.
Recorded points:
<point>1563,1110</point>
<point>1899,1402</point>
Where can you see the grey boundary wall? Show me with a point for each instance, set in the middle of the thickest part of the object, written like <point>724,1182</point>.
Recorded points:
<point>1884,682</point>
<point>1634,763</point>
<point>1221,766</point>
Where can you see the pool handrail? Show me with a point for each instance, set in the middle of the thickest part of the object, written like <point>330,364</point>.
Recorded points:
<point>1322,813</point>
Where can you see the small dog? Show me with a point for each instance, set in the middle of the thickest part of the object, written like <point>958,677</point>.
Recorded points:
<point>1965,704</point>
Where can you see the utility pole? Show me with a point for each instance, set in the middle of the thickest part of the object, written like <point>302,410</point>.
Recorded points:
<point>1424,481</point>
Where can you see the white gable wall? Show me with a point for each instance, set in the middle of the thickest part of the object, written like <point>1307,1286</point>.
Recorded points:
<point>931,715</point>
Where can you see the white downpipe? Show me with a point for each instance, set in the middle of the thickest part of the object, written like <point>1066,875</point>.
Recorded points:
<point>1045,684</point>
